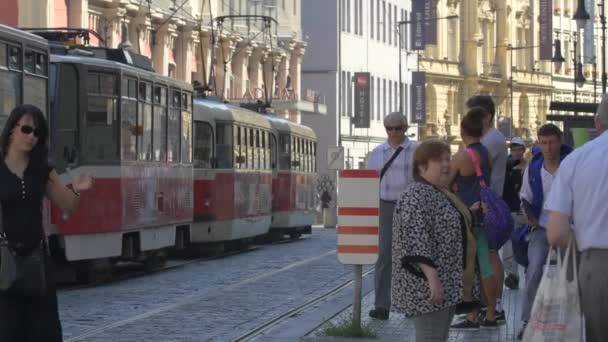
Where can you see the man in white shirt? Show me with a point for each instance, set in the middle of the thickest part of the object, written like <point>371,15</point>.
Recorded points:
<point>535,189</point>
<point>496,143</point>
<point>396,175</point>
<point>580,197</point>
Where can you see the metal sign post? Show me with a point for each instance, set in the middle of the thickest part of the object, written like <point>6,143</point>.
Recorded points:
<point>358,225</point>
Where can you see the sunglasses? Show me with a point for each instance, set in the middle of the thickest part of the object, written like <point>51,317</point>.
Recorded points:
<point>27,130</point>
<point>396,128</point>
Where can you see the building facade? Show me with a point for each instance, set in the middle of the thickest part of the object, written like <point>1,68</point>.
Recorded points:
<point>346,37</point>
<point>241,61</point>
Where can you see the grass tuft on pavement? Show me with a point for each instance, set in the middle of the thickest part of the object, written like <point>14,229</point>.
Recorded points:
<point>346,328</point>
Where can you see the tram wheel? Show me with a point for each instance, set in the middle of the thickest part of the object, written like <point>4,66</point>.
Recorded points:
<point>295,236</point>
<point>155,260</point>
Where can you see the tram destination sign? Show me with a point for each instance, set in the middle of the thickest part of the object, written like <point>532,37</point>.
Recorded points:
<point>362,99</point>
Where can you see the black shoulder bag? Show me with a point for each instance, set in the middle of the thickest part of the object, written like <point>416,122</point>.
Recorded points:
<point>21,275</point>
<point>390,161</point>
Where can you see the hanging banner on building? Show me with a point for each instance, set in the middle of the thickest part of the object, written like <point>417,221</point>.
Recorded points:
<point>417,25</point>
<point>546,29</point>
<point>430,22</point>
<point>362,99</point>
<point>589,41</point>
<point>418,101</point>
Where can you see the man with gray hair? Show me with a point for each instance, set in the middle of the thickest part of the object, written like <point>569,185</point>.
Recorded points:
<point>577,206</point>
<point>394,160</point>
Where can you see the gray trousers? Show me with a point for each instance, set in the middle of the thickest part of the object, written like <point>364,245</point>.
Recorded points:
<point>538,248</point>
<point>506,252</point>
<point>383,272</point>
<point>435,326</point>
<point>592,278</point>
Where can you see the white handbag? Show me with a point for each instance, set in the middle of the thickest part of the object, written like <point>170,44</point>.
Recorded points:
<point>556,314</point>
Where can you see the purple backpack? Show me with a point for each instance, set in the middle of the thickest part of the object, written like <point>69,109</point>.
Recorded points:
<point>497,220</point>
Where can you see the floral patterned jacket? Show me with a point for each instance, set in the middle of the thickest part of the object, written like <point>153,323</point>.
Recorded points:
<point>427,229</point>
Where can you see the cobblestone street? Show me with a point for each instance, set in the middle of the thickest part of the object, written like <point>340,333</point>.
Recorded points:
<point>216,300</point>
<point>224,299</point>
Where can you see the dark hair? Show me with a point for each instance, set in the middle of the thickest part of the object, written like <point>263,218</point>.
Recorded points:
<point>40,153</point>
<point>472,123</point>
<point>428,150</point>
<point>484,102</point>
<point>549,129</point>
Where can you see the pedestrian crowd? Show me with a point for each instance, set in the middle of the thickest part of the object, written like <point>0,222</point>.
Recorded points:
<point>455,229</point>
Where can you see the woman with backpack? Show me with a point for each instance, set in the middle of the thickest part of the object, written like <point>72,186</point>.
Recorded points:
<point>463,174</point>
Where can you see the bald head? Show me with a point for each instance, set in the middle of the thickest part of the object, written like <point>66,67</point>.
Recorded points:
<point>602,114</point>
<point>395,119</point>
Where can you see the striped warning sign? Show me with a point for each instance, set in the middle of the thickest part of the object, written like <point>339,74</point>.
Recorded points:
<point>358,200</point>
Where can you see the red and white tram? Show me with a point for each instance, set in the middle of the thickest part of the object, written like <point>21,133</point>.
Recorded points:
<point>232,173</point>
<point>294,178</point>
<point>132,129</point>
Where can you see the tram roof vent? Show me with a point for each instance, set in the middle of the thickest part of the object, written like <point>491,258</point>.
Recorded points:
<point>124,57</point>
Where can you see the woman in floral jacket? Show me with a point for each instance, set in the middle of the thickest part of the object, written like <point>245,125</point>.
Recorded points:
<point>433,249</point>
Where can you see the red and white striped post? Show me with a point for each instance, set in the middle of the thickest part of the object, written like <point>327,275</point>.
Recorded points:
<point>358,225</point>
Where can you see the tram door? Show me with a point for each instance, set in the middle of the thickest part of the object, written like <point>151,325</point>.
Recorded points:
<point>65,90</point>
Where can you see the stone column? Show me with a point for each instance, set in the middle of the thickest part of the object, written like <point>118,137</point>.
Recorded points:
<point>272,62</point>
<point>502,37</point>
<point>78,15</point>
<point>240,65</point>
<point>258,57</point>
<point>470,37</point>
<point>183,56</point>
<point>223,53</point>
<point>295,69</point>
<point>160,41</point>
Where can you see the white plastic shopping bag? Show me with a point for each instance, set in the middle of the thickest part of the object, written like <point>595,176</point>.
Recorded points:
<point>556,314</point>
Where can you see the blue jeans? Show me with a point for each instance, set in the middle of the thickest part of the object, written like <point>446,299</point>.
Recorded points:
<point>538,248</point>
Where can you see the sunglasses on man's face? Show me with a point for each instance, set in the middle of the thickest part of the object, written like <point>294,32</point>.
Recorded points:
<point>27,130</point>
<point>394,128</point>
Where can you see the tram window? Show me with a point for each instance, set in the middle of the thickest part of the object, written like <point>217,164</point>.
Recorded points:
<point>107,84</point>
<point>10,93</point>
<point>203,145</point>
<point>159,125</point>
<point>128,129</point>
<point>14,58</point>
<point>186,136</point>
<point>249,151</point>
<point>65,147</point>
<point>145,126</point>
<point>30,61</point>
<point>2,55</point>
<point>284,152</point>
<point>128,116</point>
<point>35,91</point>
<point>272,140</point>
<point>263,164</point>
<point>100,134</point>
<point>253,152</point>
<point>240,150</point>
<point>41,64</point>
<point>173,134</point>
<point>186,101</point>
<point>223,146</point>
<point>145,92</point>
<point>314,157</point>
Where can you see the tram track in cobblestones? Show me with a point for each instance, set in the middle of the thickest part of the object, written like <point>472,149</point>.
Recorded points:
<point>185,300</point>
<point>261,329</point>
<point>136,271</point>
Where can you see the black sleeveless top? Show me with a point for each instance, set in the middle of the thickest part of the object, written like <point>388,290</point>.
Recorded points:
<point>469,190</point>
<point>21,201</point>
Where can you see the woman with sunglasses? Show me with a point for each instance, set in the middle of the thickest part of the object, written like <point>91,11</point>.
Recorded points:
<point>26,177</point>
